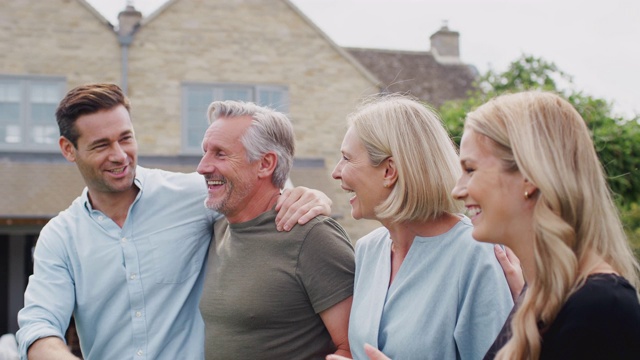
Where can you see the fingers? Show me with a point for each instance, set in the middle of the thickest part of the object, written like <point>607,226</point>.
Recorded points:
<point>511,267</point>
<point>512,257</point>
<point>373,353</point>
<point>299,205</point>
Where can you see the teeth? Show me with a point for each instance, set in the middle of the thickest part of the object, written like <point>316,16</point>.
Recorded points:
<point>471,212</point>
<point>117,171</point>
<point>215,182</point>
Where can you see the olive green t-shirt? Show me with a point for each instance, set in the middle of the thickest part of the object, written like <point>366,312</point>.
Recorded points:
<point>264,289</point>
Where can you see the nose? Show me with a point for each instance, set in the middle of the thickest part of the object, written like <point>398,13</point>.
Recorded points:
<point>459,191</point>
<point>117,154</point>
<point>337,171</point>
<point>205,166</point>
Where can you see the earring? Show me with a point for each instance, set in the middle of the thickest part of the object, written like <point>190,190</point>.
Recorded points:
<point>526,195</point>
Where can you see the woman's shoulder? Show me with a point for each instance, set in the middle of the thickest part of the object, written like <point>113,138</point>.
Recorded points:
<point>600,320</point>
<point>375,238</point>
<point>604,287</point>
<point>604,297</point>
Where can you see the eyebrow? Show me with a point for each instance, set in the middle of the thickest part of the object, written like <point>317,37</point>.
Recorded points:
<point>106,140</point>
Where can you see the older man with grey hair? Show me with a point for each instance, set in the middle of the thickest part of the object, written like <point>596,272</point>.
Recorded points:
<point>267,294</point>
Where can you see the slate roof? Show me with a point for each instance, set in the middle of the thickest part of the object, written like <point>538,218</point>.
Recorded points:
<point>417,73</point>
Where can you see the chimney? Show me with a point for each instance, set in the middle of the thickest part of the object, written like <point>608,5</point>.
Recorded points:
<point>445,45</point>
<point>128,20</point>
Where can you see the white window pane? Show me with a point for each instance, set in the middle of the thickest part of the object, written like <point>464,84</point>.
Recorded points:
<point>44,134</point>
<point>10,134</point>
<point>46,93</point>
<point>9,91</point>
<point>43,114</point>
<point>239,94</point>
<point>9,113</point>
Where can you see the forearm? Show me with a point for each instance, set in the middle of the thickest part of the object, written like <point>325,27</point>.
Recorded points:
<point>344,352</point>
<point>50,348</point>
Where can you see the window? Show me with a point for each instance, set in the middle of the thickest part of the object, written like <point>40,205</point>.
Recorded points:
<point>197,97</point>
<point>27,112</point>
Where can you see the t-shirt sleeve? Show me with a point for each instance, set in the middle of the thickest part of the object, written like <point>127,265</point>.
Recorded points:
<point>326,265</point>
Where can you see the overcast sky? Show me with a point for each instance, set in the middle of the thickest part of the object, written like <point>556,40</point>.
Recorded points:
<point>595,41</point>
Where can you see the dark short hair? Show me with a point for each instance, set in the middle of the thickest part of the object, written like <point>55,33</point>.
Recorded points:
<point>84,100</point>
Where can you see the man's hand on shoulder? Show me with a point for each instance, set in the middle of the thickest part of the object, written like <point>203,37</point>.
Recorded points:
<point>299,206</point>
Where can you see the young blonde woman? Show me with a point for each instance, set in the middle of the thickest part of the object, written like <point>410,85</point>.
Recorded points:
<point>532,181</point>
<point>423,287</point>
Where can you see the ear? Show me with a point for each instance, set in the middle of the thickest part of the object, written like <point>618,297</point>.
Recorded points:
<point>67,149</point>
<point>390,172</point>
<point>267,164</point>
<point>529,189</point>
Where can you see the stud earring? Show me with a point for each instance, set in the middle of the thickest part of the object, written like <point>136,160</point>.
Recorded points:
<point>526,195</point>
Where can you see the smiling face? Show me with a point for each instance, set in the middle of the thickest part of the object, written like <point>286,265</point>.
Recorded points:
<point>230,177</point>
<point>106,152</point>
<point>361,178</point>
<point>494,197</point>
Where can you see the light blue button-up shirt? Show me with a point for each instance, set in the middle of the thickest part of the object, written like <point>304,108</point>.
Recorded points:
<point>134,291</point>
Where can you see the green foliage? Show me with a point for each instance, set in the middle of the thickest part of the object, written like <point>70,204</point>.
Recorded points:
<point>631,221</point>
<point>616,139</point>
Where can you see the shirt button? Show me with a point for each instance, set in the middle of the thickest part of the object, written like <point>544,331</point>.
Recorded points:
<point>139,353</point>
<point>133,276</point>
<point>138,314</point>
<point>100,217</point>
<point>124,239</point>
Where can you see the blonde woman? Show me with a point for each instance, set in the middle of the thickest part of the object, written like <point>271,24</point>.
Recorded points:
<point>532,181</point>
<point>423,287</point>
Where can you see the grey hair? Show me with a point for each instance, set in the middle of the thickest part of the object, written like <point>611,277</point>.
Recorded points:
<point>270,130</point>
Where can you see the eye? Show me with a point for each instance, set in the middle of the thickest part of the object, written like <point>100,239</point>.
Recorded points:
<point>345,158</point>
<point>468,170</point>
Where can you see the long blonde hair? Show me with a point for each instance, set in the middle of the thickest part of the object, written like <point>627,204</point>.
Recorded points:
<point>543,136</point>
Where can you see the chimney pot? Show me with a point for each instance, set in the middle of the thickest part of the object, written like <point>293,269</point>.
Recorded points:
<point>128,20</point>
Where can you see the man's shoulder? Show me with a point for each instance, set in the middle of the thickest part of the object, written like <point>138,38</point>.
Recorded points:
<point>153,174</point>
<point>321,224</point>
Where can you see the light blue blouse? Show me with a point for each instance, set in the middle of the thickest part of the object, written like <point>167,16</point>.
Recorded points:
<point>448,300</point>
<point>134,291</point>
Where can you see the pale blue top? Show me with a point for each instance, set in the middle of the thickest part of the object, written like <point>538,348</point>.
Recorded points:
<point>449,299</point>
<point>134,291</point>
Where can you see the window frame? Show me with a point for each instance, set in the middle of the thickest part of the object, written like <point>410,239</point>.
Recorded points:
<point>26,85</point>
<point>217,93</point>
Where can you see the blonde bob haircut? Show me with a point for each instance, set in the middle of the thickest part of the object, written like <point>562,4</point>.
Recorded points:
<point>426,160</point>
<point>543,136</point>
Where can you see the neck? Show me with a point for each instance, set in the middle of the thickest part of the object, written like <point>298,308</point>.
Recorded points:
<point>114,205</point>
<point>261,200</point>
<point>403,233</point>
